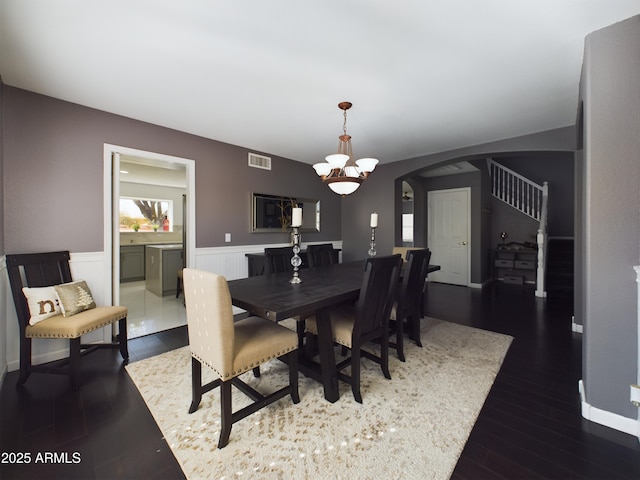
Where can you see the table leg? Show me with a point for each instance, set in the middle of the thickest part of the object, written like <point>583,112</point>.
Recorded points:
<point>327,356</point>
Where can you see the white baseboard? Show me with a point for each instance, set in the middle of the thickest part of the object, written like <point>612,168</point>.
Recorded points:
<point>575,327</point>
<point>608,419</point>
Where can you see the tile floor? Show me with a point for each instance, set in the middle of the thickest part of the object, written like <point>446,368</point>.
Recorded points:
<point>149,313</point>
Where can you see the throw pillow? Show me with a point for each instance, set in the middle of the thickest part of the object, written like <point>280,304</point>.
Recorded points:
<point>42,302</point>
<point>74,297</point>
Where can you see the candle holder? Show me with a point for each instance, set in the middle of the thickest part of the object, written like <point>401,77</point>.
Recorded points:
<point>296,261</point>
<point>372,245</point>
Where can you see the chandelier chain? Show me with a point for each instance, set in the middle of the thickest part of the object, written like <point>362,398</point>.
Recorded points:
<point>344,126</point>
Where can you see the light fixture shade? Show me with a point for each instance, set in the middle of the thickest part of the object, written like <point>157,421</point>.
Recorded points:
<point>351,171</point>
<point>322,169</point>
<point>337,160</point>
<point>367,164</point>
<point>344,188</point>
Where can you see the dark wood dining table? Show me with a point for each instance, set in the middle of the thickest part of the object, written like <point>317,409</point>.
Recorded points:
<point>274,298</point>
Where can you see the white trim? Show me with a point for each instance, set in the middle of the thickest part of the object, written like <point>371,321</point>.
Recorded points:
<point>608,419</point>
<point>575,327</point>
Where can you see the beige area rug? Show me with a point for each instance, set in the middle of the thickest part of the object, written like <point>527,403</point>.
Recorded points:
<point>413,426</point>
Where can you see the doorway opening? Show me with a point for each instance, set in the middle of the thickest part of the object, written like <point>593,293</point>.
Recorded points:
<point>149,234</point>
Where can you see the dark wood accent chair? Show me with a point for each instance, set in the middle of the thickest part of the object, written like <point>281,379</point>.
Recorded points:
<point>232,348</point>
<point>45,270</point>
<point>408,307</point>
<point>368,321</point>
<point>278,259</point>
<point>321,254</point>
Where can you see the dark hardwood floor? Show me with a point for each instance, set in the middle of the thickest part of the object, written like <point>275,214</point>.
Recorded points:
<point>530,426</point>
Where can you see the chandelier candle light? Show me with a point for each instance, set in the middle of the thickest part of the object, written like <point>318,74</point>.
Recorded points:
<point>296,261</point>
<point>341,172</point>
<point>374,225</point>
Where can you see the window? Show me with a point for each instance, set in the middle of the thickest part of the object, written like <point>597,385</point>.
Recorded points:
<point>145,215</point>
<point>407,227</point>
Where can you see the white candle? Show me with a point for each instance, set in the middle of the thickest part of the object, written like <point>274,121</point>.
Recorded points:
<point>374,220</point>
<point>296,217</point>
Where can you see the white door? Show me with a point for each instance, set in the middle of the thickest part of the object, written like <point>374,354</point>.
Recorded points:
<point>448,237</point>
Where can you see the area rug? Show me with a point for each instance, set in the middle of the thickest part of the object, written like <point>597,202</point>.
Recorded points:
<point>413,426</point>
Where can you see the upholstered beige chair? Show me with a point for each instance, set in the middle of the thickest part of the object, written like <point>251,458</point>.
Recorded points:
<point>231,349</point>
<point>367,321</point>
<point>41,286</point>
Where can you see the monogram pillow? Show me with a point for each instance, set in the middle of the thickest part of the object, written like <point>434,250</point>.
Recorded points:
<point>74,297</point>
<point>42,302</point>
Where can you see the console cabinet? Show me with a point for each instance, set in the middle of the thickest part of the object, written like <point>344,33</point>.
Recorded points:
<point>515,266</point>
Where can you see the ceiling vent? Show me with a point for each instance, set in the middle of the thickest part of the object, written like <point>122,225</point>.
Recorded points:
<point>259,161</point>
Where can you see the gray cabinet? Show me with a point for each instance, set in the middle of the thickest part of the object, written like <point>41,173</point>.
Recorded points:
<point>162,265</point>
<point>131,263</point>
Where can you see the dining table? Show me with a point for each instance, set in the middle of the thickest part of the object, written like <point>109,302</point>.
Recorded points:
<point>273,297</point>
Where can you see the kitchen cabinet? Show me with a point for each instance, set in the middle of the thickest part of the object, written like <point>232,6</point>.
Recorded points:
<point>132,263</point>
<point>162,265</point>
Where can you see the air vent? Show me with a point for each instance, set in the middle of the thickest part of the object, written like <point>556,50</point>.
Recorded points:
<point>258,161</point>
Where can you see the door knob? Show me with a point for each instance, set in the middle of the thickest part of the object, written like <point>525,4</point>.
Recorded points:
<point>462,243</point>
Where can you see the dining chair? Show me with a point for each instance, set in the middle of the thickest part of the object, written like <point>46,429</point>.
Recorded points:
<point>353,326</point>
<point>404,251</point>
<point>50,305</point>
<point>408,307</point>
<point>278,259</point>
<point>321,254</point>
<point>232,348</point>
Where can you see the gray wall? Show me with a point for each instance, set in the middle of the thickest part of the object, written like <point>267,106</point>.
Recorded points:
<point>53,178</point>
<point>611,231</point>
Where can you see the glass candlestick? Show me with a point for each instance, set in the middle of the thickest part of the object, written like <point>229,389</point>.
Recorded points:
<point>296,261</point>
<point>372,244</point>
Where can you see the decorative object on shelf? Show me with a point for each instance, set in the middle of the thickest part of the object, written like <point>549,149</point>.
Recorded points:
<point>503,236</point>
<point>341,172</point>
<point>373,224</point>
<point>296,261</point>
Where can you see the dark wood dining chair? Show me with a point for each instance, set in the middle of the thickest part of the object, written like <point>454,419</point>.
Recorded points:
<point>321,254</point>
<point>44,277</point>
<point>353,326</point>
<point>407,310</point>
<point>278,259</point>
<point>232,348</point>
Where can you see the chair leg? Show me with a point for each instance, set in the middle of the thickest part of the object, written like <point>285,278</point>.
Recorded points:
<point>355,373</point>
<point>122,338</point>
<point>293,375</point>
<point>74,362</point>
<point>415,321</point>
<point>178,287</point>
<point>400,339</point>
<point>25,360</point>
<point>384,356</point>
<point>196,384</point>
<point>256,372</point>
<point>225,413</point>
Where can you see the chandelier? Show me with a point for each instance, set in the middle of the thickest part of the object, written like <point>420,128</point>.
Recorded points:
<point>340,171</point>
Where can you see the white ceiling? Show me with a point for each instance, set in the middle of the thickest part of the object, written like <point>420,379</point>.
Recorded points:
<point>424,75</point>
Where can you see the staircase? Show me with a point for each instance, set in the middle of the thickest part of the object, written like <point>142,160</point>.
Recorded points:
<point>529,198</point>
<point>559,281</point>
